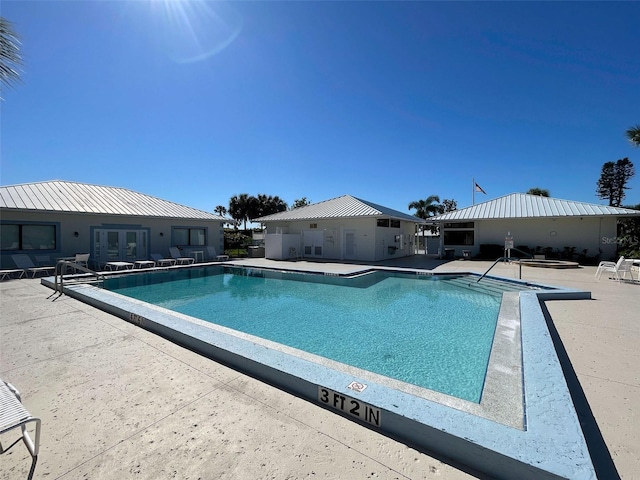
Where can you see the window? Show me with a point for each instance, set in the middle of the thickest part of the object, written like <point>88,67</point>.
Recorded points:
<point>461,233</point>
<point>190,236</point>
<point>459,225</point>
<point>383,222</point>
<point>458,237</point>
<point>395,223</point>
<point>28,237</point>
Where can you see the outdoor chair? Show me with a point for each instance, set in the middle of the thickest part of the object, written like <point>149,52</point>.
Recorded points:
<point>9,273</point>
<point>82,259</point>
<point>618,270</point>
<point>25,263</point>
<point>211,251</point>
<point>180,260</point>
<point>14,415</point>
<point>162,262</point>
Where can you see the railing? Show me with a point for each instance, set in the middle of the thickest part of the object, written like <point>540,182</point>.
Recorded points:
<point>66,263</point>
<point>507,259</point>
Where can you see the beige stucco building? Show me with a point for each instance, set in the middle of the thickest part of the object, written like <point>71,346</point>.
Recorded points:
<point>50,220</point>
<point>342,228</point>
<point>532,221</point>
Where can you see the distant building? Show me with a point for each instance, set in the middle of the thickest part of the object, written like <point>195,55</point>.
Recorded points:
<point>342,228</point>
<point>532,221</point>
<point>59,219</point>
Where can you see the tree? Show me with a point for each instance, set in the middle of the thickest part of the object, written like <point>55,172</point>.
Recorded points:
<point>300,202</point>
<point>10,59</point>
<point>613,181</point>
<point>448,205</point>
<point>542,192</point>
<point>239,208</point>
<point>633,134</point>
<point>629,234</point>
<point>220,210</point>
<point>268,205</point>
<point>426,208</point>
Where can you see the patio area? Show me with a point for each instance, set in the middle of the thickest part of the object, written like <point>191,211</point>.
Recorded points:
<point>119,402</point>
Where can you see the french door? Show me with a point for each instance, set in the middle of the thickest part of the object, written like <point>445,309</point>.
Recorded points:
<point>112,245</point>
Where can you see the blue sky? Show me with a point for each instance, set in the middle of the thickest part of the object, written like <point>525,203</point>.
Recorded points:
<point>391,102</point>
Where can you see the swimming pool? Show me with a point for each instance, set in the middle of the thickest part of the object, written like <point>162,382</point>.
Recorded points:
<point>525,425</point>
<point>424,330</point>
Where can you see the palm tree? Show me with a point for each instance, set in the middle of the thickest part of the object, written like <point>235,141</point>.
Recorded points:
<point>633,134</point>
<point>426,208</point>
<point>239,208</point>
<point>10,59</point>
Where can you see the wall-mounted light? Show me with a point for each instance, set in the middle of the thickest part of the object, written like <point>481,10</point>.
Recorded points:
<point>76,234</point>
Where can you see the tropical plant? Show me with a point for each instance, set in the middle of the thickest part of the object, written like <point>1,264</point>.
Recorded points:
<point>239,208</point>
<point>633,134</point>
<point>426,208</point>
<point>10,59</point>
<point>542,192</point>
<point>629,234</point>
<point>300,202</point>
<point>220,210</point>
<point>613,181</point>
<point>245,207</point>
<point>448,205</point>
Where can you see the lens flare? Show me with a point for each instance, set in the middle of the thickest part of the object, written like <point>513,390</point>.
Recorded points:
<point>196,30</point>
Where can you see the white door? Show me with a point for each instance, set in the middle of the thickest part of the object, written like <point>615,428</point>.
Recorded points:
<point>313,243</point>
<point>350,245</point>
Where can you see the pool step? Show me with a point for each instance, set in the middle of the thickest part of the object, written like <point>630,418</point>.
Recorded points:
<point>486,285</point>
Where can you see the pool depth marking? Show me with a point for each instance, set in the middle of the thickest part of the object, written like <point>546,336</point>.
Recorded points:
<point>351,406</point>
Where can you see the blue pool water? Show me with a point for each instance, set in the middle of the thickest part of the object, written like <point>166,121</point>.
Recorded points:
<point>418,329</point>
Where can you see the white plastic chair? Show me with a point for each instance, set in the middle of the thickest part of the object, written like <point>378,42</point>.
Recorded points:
<point>175,254</point>
<point>25,263</point>
<point>211,252</point>
<point>619,269</point>
<point>14,415</point>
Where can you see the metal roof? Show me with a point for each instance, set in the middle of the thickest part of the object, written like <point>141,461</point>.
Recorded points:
<point>345,206</point>
<point>522,205</point>
<point>73,197</point>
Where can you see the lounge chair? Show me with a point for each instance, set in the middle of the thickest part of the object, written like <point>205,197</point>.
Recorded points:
<point>211,251</point>
<point>162,262</point>
<point>14,415</point>
<point>180,260</point>
<point>24,262</point>
<point>9,273</point>
<point>618,269</point>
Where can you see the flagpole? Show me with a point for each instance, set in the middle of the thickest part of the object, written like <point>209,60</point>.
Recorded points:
<point>473,189</point>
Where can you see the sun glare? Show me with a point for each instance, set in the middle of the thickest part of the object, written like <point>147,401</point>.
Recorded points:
<point>194,30</point>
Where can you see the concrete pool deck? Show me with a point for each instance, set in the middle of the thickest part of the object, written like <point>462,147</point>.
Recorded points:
<point>119,402</point>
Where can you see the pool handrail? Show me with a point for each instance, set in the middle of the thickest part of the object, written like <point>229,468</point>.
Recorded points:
<point>75,266</point>
<point>506,259</point>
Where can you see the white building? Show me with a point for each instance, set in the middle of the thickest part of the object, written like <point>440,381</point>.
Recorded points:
<point>59,219</point>
<point>342,228</point>
<point>532,221</point>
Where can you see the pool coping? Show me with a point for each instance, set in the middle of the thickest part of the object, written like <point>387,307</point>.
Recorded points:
<point>552,446</point>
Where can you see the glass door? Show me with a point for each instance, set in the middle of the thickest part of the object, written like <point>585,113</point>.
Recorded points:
<point>111,245</point>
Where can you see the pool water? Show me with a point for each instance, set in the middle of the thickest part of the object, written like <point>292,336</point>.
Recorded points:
<point>421,330</point>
